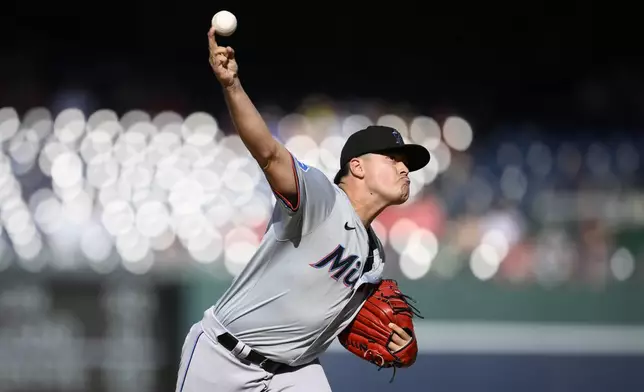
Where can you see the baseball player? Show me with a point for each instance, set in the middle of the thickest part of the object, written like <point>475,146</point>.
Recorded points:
<point>308,278</point>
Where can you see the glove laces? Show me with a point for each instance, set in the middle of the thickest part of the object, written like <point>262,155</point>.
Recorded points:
<point>379,361</point>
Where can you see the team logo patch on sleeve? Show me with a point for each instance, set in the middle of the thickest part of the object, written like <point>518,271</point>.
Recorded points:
<point>302,165</point>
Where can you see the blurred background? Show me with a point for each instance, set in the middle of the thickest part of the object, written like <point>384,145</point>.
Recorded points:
<point>127,202</point>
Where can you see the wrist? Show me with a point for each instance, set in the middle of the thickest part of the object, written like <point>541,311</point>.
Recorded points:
<point>232,87</point>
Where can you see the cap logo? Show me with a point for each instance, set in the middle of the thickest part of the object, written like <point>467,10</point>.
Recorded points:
<point>399,139</point>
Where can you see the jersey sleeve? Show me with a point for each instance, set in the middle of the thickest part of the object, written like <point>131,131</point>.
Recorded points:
<point>313,204</point>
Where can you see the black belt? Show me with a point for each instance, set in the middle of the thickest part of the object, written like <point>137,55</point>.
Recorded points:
<point>230,342</point>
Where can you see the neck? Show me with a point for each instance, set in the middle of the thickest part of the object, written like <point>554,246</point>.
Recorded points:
<point>367,205</point>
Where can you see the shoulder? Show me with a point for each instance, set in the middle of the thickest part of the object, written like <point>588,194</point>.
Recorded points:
<point>313,177</point>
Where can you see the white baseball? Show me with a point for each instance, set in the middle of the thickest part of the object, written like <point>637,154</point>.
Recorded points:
<point>225,23</point>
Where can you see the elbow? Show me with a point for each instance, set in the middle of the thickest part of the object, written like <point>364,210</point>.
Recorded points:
<point>266,156</point>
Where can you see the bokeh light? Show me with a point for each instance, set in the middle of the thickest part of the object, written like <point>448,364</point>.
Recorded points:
<point>135,191</point>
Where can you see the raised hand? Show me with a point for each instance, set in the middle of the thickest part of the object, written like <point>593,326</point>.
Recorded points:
<point>222,61</point>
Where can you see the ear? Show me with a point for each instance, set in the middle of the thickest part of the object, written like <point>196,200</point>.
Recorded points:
<point>357,168</point>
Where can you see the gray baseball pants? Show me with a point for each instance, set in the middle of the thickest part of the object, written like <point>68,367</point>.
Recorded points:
<point>207,366</point>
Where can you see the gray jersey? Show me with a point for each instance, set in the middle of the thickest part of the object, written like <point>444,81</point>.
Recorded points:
<point>305,282</point>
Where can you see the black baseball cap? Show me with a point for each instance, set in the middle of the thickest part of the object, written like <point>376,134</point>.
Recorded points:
<point>381,139</point>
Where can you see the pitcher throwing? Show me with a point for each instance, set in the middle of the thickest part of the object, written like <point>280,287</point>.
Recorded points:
<point>315,267</point>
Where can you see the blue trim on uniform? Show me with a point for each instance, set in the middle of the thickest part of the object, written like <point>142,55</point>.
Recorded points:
<point>185,374</point>
<point>304,167</point>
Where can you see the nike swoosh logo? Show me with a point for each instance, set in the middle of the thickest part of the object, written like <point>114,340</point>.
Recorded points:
<point>347,227</point>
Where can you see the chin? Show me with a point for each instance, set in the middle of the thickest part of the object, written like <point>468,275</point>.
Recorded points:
<point>401,199</point>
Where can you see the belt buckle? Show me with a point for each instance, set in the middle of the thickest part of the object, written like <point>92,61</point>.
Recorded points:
<point>270,366</point>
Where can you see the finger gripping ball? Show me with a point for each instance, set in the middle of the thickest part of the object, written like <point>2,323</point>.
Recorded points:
<point>225,23</point>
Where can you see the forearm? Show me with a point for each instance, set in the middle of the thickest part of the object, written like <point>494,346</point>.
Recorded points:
<point>271,155</point>
<point>250,125</point>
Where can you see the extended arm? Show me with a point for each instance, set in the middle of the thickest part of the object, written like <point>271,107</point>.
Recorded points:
<point>274,159</point>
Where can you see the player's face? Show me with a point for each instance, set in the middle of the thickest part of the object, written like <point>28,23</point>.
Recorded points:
<point>387,177</point>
